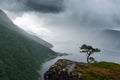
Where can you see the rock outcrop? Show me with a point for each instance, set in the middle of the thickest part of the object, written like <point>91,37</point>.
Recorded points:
<point>63,70</point>
<point>70,70</point>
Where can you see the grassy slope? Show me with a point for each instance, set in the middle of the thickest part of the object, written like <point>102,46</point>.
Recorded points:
<point>20,57</point>
<point>99,71</point>
<point>89,71</point>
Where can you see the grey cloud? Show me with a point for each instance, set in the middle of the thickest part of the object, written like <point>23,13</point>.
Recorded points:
<point>44,6</point>
<point>75,22</point>
<point>90,14</point>
<point>86,13</point>
<point>95,13</point>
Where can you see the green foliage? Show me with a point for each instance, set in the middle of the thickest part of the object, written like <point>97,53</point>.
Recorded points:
<point>88,50</point>
<point>20,57</point>
<point>92,59</point>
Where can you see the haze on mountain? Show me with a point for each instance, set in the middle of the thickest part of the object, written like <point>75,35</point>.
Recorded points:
<point>21,53</point>
<point>55,20</point>
<point>66,24</point>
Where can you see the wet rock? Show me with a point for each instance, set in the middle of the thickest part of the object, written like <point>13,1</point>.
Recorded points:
<point>63,70</point>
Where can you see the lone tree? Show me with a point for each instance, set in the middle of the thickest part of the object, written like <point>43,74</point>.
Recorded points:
<point>88,50</point>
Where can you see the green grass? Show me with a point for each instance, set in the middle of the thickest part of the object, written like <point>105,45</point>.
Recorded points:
<point>99,71</point>
<point>93,71</point>
<point>107,65</point>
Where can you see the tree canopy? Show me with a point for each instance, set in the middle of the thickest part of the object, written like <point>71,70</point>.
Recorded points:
<point>89,50</point>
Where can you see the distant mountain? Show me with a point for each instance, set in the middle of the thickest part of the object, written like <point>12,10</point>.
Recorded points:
<point>111,33</point>
<point>21,54</point>
<point>109,38</point>
<point>6,22</point>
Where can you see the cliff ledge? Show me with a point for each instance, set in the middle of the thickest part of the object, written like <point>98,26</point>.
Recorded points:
<point>70,70</point>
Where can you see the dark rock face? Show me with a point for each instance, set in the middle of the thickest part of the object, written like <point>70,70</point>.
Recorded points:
<point>63,70</point>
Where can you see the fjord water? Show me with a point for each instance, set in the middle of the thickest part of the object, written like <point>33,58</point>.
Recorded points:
<point>104,55</point>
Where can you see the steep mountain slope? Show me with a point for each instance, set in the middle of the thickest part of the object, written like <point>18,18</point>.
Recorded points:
<point>6,22</point>
<point>20,54</point>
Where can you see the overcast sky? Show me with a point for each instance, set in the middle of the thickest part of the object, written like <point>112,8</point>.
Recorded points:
<point>64,23</point>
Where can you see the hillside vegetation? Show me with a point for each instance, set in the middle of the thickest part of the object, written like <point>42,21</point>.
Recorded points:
<point>20,56</point>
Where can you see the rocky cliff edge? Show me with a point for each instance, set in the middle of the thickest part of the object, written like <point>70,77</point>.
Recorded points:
<point>70,70</point>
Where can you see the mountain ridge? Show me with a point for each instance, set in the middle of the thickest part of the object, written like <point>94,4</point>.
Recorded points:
<point>20,55</point>
<point>4,20</point>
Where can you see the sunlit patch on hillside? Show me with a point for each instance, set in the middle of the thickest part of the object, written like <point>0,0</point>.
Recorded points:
<point>31,24</point>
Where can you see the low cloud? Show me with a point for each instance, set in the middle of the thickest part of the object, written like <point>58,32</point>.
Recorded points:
<point>76,21</point>
<point>100,14</point>
<point>92,14</point>
<point>45,6</point>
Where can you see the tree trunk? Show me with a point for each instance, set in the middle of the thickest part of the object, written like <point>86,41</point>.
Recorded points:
<point>88,58</point>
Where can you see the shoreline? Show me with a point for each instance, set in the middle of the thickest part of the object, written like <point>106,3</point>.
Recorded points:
<point>50,57</point>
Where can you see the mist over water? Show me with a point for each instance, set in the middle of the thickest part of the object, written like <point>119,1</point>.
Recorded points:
<point>104,55</point>
<point>67,24</point>
<point>71,23</point>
